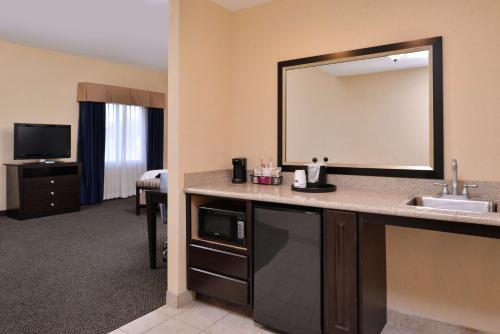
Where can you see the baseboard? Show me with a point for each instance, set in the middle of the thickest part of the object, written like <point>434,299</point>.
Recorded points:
<point>418,324</point>
<point>180,300</point>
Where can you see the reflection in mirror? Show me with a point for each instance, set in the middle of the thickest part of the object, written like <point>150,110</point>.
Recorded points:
<point>371,112</point>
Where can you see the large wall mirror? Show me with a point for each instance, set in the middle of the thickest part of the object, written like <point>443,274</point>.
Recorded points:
<point>373,111</point>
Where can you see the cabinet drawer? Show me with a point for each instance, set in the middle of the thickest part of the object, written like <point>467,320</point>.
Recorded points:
<point>51,182</point>
<point>48,205</point>
<point>54,193</point>
<point>218,261</point>
<point>211,284</point>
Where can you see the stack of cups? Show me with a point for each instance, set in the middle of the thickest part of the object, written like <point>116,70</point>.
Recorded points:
<point>299,179</point>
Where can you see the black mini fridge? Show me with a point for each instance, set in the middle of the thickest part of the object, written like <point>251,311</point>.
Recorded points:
<point>287,269</point>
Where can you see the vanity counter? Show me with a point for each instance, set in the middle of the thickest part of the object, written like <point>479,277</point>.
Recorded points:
<point>376,202</point>
<point>353,234</point>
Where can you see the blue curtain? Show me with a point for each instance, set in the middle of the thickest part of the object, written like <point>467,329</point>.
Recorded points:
<point>155,139</point>
<point>91,141</point>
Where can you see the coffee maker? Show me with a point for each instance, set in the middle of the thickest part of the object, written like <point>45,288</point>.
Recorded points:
<point>239,170</point>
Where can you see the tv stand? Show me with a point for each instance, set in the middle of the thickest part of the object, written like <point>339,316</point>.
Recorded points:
<point>41,189</point>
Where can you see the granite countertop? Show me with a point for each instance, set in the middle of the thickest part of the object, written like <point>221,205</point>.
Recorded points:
<point>380,202</point>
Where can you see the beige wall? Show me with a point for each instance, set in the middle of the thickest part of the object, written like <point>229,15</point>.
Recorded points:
<point>39,86</point>
<point>447,277</point>
<point>199,62</point>
<point>441,276</point>
<point>344,118</point>
<point>448,282</point>
<point>288,29</point>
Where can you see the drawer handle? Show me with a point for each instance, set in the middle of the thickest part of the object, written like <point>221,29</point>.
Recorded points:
<point>52,181</point>
<point>52,204</point>
<point>52,193</point>
<point>218,251</point>
<point>217,275</point>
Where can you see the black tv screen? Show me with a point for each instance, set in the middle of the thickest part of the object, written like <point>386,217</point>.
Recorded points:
<point>42,141</point>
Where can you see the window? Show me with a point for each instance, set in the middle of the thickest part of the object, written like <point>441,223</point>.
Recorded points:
<point>125,149</point>
<point>125,133</point>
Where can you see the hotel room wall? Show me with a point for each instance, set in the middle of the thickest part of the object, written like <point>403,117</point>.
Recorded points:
<point>440,276</point>
<point>39,86</point>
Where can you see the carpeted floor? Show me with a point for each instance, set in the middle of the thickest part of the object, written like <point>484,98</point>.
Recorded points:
<point>83,272</point>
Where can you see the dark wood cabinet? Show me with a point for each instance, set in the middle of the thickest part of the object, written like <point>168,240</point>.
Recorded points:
<point>223,287</point>
<point>35,190</point>
<point>372,277</point>
<point>226,263</point>
<point>217,270</point>
<point>354,271</point>
<point>353,287</point>
<point>340,272</point>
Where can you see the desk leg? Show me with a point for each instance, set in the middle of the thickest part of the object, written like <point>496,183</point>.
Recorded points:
<point>151,208</point>
<point>137,201</point>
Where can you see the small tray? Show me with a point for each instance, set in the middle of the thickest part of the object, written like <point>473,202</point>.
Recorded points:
<point>327,188</point>
<point>268,180</point>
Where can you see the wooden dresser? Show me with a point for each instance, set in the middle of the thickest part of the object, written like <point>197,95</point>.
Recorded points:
<point>36,190</point>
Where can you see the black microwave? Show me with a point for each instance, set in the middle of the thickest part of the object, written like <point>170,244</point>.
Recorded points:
<point>222,223</point>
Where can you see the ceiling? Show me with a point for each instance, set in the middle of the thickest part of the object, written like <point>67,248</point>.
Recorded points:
<point>125,31</point>
<point>379,64</point>
<point>234,5</point>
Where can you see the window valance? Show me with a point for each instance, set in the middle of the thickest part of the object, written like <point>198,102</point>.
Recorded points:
<point>113,94</point>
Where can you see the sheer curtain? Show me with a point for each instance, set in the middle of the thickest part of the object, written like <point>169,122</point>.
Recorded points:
<point>125,149</point>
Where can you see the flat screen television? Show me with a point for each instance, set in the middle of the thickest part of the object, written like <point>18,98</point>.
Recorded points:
<point>41,141</point>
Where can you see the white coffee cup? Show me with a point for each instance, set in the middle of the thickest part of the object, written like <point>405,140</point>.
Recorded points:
<point>299,179</point>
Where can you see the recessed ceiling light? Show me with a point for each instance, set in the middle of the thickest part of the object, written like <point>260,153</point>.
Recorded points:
<point>395,58</point>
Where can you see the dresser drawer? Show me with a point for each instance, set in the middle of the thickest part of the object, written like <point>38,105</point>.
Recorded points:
<point>54,193</point>
<point>47,205</point>
<point>215,285</point>
<point>51,182</point>
<point>222,262</point>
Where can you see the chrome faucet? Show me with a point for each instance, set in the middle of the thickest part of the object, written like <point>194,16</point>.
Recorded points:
<point>454,184</point>
<point>454,177</point>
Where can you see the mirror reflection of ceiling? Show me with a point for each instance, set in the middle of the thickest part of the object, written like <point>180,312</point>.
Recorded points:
<point>373,112</point>
<point>394,62</point>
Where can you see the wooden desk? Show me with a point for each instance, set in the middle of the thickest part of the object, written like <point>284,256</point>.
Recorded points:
<point>153,198</point>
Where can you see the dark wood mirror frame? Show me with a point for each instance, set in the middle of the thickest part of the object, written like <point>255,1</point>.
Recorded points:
<point>437,101</point>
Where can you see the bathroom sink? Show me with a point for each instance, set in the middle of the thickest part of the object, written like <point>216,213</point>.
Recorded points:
<point>456,204</point>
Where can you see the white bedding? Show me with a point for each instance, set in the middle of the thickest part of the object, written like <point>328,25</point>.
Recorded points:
<point>151,174</point>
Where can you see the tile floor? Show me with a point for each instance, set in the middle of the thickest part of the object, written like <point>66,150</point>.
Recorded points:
<point>202,318</point>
